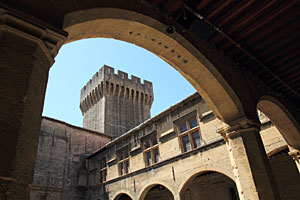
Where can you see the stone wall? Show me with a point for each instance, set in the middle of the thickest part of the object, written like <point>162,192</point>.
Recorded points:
<point>60,170</point>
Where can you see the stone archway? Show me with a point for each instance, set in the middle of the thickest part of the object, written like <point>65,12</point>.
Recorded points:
<point>36,44</point>
<point>122,196</point>
<point>209,185</point>
<point>151,34</point>
<point>156,191</point>
<point>282,119</point>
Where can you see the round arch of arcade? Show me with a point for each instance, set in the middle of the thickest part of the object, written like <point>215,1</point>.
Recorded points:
<point>197,172</point>
<point>280,116</point>
<point>142,194</point>
<point>199,68</point>
<point>120,193</point>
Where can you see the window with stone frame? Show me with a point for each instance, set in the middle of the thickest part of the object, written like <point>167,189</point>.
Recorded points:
<point>123,161</point>
<point>103,170</point>
<point>189,134</point>
<point>150,149</point>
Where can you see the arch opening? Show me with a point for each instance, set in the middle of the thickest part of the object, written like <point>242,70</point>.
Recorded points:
<point>123,196</point>
<point>158,191</point>
<point>281,117</point>
<point>209,185</point>
<point>151,34</point>
<point>285,173</point>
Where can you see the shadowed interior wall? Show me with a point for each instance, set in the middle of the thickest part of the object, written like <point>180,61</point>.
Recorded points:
<point>210,185</point>
<point>159,192</point>
<point>123,197</point>
<point>286,175</point>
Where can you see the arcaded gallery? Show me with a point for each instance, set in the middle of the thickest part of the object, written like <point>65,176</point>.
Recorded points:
<point>237,137</point>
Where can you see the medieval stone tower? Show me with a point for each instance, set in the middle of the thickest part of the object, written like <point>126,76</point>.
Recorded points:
<point>113,104</point>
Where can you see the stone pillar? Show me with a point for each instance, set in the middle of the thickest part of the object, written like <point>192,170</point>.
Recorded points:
<point>295,154</point>
<point>27,51</point>
<point>251,167</point>
<point>177,197</point>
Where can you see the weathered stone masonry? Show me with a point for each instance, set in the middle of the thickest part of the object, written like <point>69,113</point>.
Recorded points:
<point>60,171</point>
<point>113,103</point>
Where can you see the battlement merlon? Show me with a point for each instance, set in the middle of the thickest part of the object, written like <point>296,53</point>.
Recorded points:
<point>122,75</point>
<point>106,82</point>
<point>135,79</point>
<point>106,73</point>
<point>148,84</point>
<point>92,83</point>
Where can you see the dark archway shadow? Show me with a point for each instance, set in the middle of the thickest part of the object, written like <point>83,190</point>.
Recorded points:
<point>285,172</point>
<point>123,197</point>
<point>158,192</point>
<point>209,185</point>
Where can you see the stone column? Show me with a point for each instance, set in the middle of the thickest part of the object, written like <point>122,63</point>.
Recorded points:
<point>177,197</point>
<point>251,167</point>
<point>295,154</point>
<point>27,51</point>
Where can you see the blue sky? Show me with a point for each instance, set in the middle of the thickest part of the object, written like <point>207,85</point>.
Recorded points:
<point>78,61</point>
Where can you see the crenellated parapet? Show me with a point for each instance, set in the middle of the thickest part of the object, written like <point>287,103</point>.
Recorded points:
<point>105,83</point>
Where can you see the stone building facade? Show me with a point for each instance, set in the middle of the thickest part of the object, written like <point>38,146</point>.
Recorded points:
<point>181,153</point>
<point>60,163</point>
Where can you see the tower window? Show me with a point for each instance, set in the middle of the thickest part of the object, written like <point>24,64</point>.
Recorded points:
<point>127,93</point>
